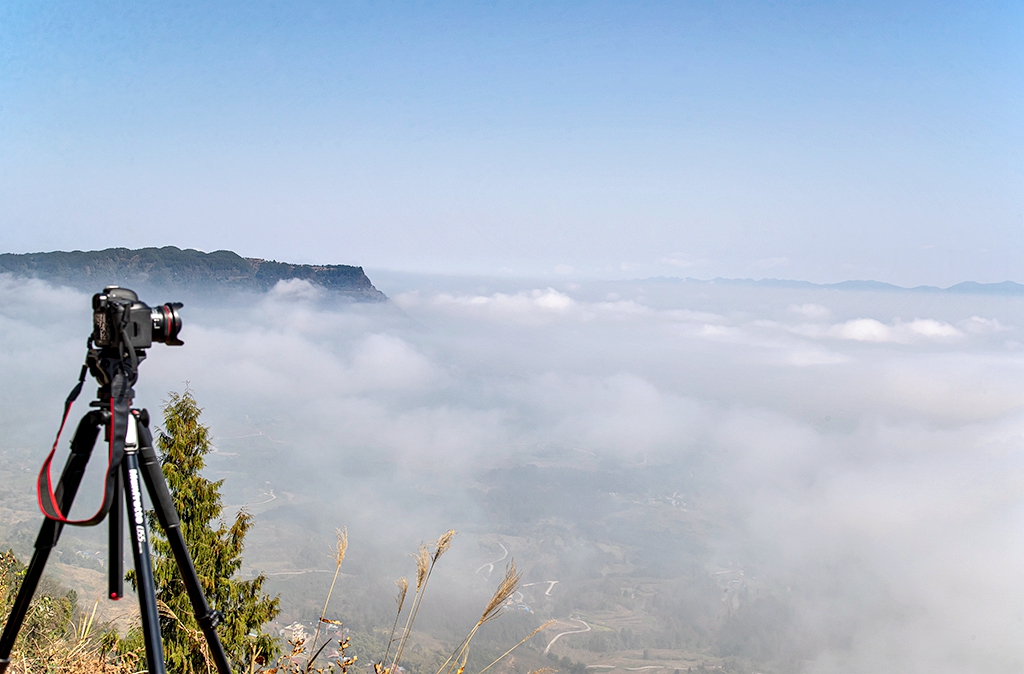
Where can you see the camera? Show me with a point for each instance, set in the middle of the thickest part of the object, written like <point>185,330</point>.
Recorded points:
<point>119,318</point>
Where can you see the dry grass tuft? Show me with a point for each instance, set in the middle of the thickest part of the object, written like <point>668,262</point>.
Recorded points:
<point>456,662</point>
<point>506,588</point>
<point>291,662</point>
<point>341,547</point>
<point>197,637</point>
<point>403,589</point>
<point>443,543</point>
<point>425,561</point>
<point>422,566</point>
<point>523,641</point>
<point>81,653</point>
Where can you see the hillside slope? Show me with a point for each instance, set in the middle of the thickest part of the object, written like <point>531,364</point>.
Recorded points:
<point>171,267</point>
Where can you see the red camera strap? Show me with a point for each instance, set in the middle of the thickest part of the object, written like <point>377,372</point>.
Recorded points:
<point>45,492</point>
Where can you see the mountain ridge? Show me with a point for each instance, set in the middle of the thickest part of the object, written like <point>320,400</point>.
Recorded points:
<point>964,287</point>
<point>185,269</point>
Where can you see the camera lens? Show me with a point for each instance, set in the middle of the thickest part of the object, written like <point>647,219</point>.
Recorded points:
<point>167,324</point>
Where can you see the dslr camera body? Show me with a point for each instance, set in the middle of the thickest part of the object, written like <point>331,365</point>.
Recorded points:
<point>121,320</point>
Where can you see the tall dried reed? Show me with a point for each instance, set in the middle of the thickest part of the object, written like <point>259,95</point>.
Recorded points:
<point>426,558</point>
<point>340,548</point>
<point>403,589</point>
<point>456,662</point>
<point>80,653</point>
<point>425,561</point>
<point>529,636</point>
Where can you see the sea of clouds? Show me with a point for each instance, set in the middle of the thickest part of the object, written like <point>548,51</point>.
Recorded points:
<point>871,441</point>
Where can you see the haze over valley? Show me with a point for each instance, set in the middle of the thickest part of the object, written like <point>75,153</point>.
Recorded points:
<point>796,478</point>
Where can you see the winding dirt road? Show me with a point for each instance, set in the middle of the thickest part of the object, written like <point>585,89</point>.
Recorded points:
<point>551,585</point>
<point>490,565</point>
<point>562,634</point>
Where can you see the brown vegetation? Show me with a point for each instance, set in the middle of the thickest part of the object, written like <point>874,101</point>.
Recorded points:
<point>58,639</point>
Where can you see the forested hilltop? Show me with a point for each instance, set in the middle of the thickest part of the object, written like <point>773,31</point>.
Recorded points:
<point>188,269</point>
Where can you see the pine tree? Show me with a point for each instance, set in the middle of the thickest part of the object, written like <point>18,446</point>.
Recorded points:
<point>216,552</point>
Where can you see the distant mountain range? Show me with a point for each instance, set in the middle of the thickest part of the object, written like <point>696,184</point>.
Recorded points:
<point>188,269</point>
<point>193,270</point>
<point>1004,288</point>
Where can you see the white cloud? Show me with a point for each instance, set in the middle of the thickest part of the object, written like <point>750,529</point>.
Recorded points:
<point>386,362</point>
<point>976,325</point>
<point>863,330</point>
<point>523,306</point>
<point>932,329</point>
<point>295,289</point>
<point>552,300</point>
<point>542,306</point>
<point>810,310</point>
<point>873,330</point>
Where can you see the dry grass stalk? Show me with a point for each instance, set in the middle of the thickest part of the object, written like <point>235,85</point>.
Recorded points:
<point>456,662</point>
<point>425,561</point>
<point>82,656</point>
<point>443,543</point>
<point>524,640</point>
<point>83,631</point>
<point>422,566</point>
<point>403,589</point>
<point>505,589</point>
<point>422,558</point>
<point>287,664</point>
<point>340,548</point>
<point>195,635</point>
<point>426,557</point>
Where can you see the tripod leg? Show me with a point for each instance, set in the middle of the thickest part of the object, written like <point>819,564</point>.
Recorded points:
<point>49,533</point>
<point>143,564</point>
<point>115,543</point>
<point>167,515</point>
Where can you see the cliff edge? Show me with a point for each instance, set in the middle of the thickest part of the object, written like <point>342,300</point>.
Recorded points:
<point>189,269</point>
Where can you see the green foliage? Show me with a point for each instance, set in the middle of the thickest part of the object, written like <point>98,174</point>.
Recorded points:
<point>11,571</point>
<point>567,666</point>
<point>216,549</point>
<point>49,616</point>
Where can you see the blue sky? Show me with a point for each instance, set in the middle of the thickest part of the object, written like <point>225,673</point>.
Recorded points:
<point>797,140</point>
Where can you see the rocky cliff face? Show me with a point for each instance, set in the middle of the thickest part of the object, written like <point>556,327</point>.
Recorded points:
<point>189,269</point>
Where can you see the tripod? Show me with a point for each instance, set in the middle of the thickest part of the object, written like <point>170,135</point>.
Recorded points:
<point>131,453</point>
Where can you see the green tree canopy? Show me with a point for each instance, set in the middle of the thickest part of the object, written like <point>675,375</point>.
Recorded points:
<point>216,551</point>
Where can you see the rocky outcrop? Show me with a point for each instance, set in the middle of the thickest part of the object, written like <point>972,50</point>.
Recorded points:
<point>188,269</point>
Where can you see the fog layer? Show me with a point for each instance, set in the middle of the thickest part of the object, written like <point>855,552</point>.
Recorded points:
<point>856,454</point>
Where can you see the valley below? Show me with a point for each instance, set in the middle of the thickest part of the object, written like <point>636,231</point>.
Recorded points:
<point>691,476</point>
